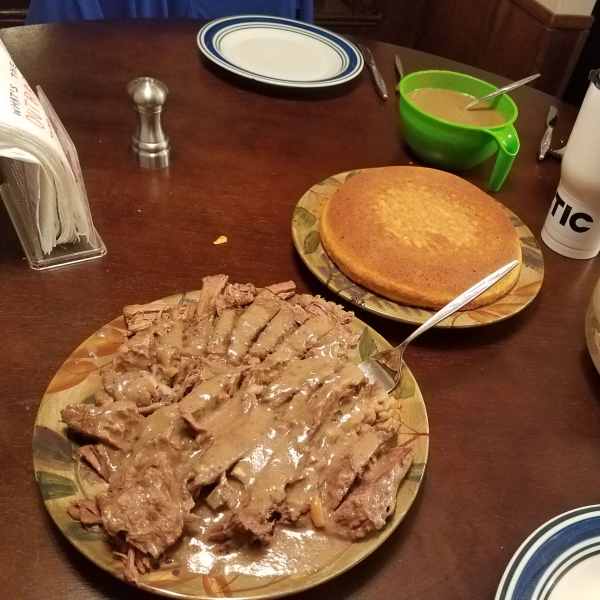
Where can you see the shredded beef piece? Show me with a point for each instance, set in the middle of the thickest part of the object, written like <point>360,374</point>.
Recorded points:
<point>130,572</point>
<point>149,509</point>
<point>317,306</point>
<point>138,351</point>
<point>101,398</point>
<point>86,511</point>
<point>117,423</point>
<point>373,500</point>
<point>247,527</point>
<point>212,288</point>
<point>343,473</point>
<point>235,296</point>
<point>103,459</point>
<point>142,316</point>
<point>284,290</point>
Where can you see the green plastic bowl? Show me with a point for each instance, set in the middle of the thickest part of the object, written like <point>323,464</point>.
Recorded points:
<point>456,147</point>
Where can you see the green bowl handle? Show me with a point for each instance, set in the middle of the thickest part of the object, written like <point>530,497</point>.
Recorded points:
<point>508,146</point>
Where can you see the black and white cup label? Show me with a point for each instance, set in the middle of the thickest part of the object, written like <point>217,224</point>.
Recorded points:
<point>573,223</point>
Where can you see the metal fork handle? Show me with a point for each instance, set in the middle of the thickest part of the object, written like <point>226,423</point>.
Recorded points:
<point>460,301</point>
<point>545,143</point>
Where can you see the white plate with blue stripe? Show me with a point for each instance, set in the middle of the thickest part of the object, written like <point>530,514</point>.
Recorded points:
<point>280,51</point>
<point>559,561</point>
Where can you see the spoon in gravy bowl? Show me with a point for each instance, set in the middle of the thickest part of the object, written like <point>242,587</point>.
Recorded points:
<point>503,90</point>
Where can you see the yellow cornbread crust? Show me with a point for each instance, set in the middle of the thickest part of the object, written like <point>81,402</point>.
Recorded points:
<point>418,236</point>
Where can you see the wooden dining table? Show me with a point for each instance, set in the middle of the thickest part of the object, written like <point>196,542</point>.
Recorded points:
<point>514,407</point>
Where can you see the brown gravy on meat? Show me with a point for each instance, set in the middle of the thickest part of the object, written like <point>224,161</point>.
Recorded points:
<point>299,550</point>
<point>237,433</point>
<point>450,106</point>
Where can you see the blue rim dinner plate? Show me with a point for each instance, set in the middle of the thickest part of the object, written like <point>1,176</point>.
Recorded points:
<point>280,51</point>
<point>560,560</point>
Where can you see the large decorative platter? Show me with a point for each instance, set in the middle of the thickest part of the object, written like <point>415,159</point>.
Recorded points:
<point>305,232</point>
<point>62,477</point>
<point>280,51</point>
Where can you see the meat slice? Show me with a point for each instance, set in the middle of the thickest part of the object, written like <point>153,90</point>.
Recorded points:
<point>373,500</point>
<point>149,508</point>
<point>85,510</point>
<point>335,387</point>
<point>336,343</point>
<point>168,428</point>
<point>282,324</point>
<point>139,317</point>
<point>297,344</point>
<point>118,423</point>
<point>343,444</point>
<point>219,339</point>
<point>283,290</point>
<point>235,296</point>
<point>104,459</point>
<point>246,527</point>
<point>227,494</point>
<point>343,471</point>
<point>300,377</point>
<point>144,365</point>
<point>148,501</point>
<point>137,352</point>
<point>232,440</point>
<point>212,287</point>
<point>249,326</point>
<point>133,385</point>
<point>317,306</point>
<point>271,466</point>
<point>199,329</point>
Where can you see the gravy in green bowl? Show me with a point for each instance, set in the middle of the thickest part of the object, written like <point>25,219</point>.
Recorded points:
<point>450,106</point>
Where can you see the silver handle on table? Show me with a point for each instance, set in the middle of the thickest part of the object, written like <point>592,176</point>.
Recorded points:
<point>545,143</point>
<point>379,83</point>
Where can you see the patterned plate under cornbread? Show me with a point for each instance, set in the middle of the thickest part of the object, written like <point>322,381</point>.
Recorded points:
<point>306,235</point>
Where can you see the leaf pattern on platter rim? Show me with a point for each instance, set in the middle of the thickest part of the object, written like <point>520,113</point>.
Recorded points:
<point>55,486</point>
<point>71,373</point>
<point>52,450</point>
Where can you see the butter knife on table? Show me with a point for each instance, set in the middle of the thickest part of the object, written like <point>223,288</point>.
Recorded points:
<point>547,139</point>
<point>377,78</point>
<point>400,72</point>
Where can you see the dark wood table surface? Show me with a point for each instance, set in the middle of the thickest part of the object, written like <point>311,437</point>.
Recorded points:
<point>514,407</point>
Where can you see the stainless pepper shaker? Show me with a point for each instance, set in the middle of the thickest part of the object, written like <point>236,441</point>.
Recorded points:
<point>151,146</point>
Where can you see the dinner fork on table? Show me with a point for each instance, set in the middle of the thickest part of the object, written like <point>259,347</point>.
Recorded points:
<point>386,366</point>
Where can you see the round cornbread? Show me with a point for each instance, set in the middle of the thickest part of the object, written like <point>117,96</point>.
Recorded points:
<point>418,236</point>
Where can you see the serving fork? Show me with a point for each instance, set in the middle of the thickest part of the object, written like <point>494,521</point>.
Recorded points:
<point>386,366</point>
